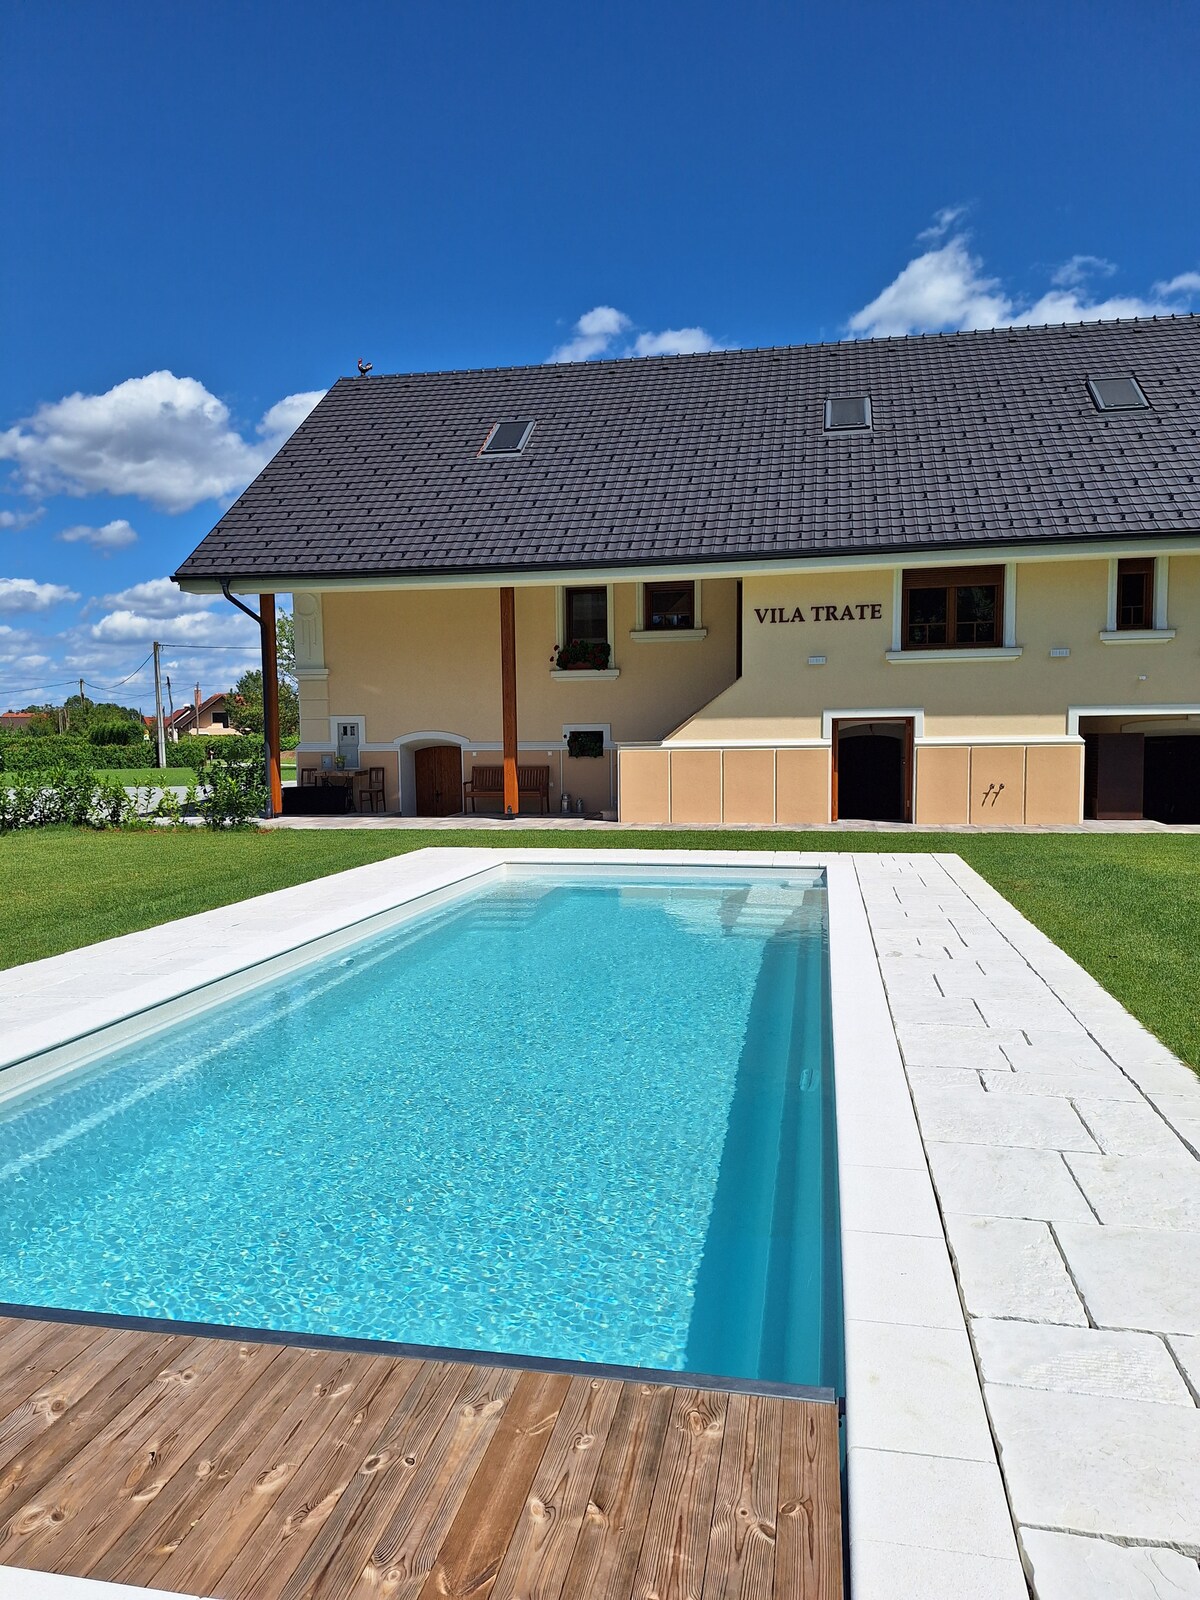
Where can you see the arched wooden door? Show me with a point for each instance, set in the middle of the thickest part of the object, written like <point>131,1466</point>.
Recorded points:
<point>438,780</point>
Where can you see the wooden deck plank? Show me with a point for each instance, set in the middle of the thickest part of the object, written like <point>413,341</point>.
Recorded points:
<point>675,1547</point>
<point>399,1458</point>
<point>263,1566</point>
<point>422,1510</point>
<point>85,1507</point>
<point>289,1472</point>
<point>808,1557</point>
<point>51,1387</point>
<point>24,1472</point>
<point>610,1541</point>
<point>539,1554</point>
<point>311,1399</point>
<point>192,1488</point>
<point>480,1533</point>
<point>741,1546</point>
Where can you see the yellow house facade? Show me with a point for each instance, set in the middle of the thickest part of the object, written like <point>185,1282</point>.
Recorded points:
<point>947,581</point>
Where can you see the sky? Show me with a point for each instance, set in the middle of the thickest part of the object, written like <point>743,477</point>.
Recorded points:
<point>211,210</point>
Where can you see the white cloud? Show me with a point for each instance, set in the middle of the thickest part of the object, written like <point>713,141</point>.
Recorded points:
<point>112,536</point>
<point>949,289</point>
<point>1080,268</point>
<point>16,520</point>
<point>943,221</point>
<point>1185,285</point>
<point>25,594</point>
<point>674,342</point>
<point>162,438</point>
<point>127,626</point>
<point>598,330</point>
<point>593,334</point>
<point>159,597</point>
<point>944,288</point>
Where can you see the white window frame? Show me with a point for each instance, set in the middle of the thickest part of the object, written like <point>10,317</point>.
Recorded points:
<point>1160,632</point>
<point>641,634</point>
<point>612,671</point>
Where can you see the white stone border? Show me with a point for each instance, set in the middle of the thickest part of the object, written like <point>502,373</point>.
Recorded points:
<point>917,1433</point>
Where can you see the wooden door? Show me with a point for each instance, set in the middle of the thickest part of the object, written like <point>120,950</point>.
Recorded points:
<point>998,783</point>
<point>438,772</point>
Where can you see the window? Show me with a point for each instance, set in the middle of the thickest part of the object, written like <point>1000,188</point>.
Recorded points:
<point>507,439</point>
<point>585,615</point>
<point>1135,593</point>
<point>1117,394</point>
<point>953,608</point>
<point>668,606</point>
<point>847,415</point>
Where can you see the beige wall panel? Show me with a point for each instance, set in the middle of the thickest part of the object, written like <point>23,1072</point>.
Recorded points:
<point>997,784</point>
<point>1053,783</point>
<point>695,786</point>
<point>644,786</point>
<point>589,778</point>
<point>802,786</point>
<point>748,786</point>
<point>429,661</point>
<point>943,783</point>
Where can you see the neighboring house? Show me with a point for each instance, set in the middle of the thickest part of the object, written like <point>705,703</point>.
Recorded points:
<point>950,578</point>
<point>16,721</point>
<point>202,716</point>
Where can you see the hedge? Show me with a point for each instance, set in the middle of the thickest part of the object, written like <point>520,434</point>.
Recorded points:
<point>194,749</point>
<point>55,752</point>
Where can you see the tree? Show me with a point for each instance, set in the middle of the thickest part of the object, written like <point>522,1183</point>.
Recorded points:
<point>246,708</point>
<point>246,697</point>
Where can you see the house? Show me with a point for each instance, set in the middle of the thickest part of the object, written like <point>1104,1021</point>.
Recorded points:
<point>942,579</point>
<point>209,716</point>
<point>16,721</point>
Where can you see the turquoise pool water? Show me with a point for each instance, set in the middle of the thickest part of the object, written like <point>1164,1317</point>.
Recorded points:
<point>588,1119</point>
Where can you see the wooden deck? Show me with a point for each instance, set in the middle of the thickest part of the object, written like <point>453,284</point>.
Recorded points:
<point>251,1471</point>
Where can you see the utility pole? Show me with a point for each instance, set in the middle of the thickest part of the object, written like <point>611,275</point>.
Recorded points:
<point>82,697</point>
<point>171,705</point>
<point>160,731</point>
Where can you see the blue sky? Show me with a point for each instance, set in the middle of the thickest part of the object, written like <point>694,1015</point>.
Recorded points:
<point>212,210</point>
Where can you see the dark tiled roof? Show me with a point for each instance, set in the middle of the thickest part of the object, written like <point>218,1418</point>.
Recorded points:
<point>977,439</point>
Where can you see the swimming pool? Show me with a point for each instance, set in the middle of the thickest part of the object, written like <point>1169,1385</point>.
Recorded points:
<point>577,1117</point>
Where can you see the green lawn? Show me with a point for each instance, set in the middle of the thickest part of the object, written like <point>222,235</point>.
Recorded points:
<point>148,777</point>
<point>1126,906</point>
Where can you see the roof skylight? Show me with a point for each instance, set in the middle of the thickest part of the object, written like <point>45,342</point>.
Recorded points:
<point>851,414</point>
<point>1117,394</point>
<point>507,439</point>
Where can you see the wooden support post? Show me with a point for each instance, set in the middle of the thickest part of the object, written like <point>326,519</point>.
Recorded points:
<point>270,682</point>
<point>508,696</point>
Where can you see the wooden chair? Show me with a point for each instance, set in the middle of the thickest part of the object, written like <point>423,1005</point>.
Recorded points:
<point>373,790</point>
<point>308,777</point>
<point>489,781</point>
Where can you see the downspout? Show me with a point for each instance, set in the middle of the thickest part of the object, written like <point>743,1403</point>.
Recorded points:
<point>270,695</point>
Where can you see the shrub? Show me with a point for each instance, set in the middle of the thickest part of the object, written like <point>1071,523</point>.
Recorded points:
<point>58,752</point>
<point>117,733</point>
<point>234,795</point>
<point>69,795</point>
<point>195,749</point>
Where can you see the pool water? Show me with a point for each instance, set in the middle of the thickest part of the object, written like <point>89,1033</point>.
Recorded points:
<point>588,1119</point>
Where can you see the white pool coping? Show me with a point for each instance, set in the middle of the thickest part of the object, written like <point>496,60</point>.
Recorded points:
<point>918,1436</point>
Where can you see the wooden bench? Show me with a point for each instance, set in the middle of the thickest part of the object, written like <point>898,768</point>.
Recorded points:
<point>488,781</point>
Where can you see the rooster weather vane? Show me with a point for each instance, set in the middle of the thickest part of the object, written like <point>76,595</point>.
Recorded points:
<point>364,367</point>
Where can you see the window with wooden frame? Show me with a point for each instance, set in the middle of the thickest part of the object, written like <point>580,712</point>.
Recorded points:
<point>953,608</point>
<point>668,606</point>
<point>585,615</point>
<point>1135,593</point>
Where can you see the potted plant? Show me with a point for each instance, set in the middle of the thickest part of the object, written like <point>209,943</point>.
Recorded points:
<point>582,655</point>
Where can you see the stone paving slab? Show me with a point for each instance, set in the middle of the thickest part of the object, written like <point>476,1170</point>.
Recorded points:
<point>1063,1142</point>
<point>1066,1567</point>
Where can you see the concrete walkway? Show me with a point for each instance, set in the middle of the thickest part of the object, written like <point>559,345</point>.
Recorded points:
<point>1063,1142</point>
<point>595,825</point>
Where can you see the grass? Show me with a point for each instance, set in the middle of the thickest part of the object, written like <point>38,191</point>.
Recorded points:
<point>1126,906</point>
<point>148,777</point>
